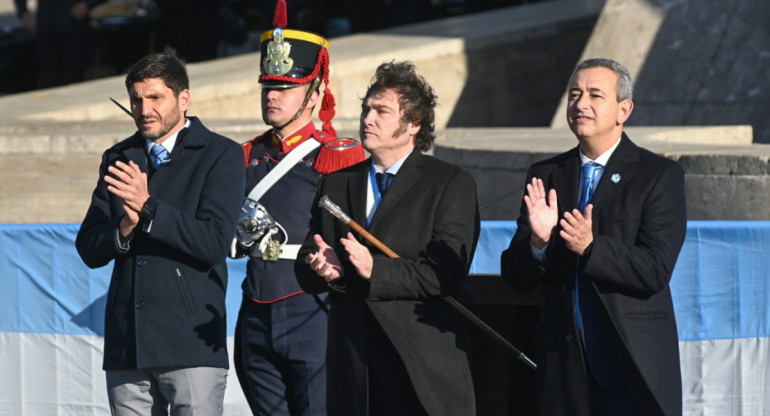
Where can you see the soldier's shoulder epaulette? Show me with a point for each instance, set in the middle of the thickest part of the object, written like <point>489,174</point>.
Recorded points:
<point>337,153</point>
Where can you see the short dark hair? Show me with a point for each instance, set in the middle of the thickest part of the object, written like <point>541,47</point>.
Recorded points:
<point>165,66</point>
<point>415,98</point>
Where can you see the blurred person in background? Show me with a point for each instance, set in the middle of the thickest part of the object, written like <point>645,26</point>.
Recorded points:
<point>65,40</point>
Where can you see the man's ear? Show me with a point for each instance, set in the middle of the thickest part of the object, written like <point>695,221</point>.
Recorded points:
<point>412,128</point>
<point>184,100</point>
<point>311,102</point>
<point>624,111</point>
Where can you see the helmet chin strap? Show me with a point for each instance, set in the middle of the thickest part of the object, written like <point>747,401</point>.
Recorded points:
<point>310,90</point>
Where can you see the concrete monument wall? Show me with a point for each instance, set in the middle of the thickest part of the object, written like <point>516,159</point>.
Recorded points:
<point>496,73</point>
<point>694,62</point>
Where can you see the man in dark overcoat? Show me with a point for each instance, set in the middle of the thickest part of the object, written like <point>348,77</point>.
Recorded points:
<point>395,347</point>
<point>600,228</point>
<point>164,210</point>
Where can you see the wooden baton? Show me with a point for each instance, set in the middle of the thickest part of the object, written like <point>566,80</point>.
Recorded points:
<point>335,210</point>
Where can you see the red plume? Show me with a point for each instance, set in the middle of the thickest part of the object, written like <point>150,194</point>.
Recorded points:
<point>332,158</point>
<point>326,113</point>
<point>279,19</point>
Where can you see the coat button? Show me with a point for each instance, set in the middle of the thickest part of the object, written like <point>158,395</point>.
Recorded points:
<point>563,288</point>
<point>139,305</point>
<point>568,338</point>
<point>141,263</point>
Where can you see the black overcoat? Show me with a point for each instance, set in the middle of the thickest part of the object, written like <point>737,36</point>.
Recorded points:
<point>166,300</point>
<point>639,225</point>
<point>429,217</point>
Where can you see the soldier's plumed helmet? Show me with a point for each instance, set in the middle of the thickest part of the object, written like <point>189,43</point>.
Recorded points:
<point>292,57</point>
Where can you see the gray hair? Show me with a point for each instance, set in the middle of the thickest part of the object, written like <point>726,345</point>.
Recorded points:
<point>625,87</point>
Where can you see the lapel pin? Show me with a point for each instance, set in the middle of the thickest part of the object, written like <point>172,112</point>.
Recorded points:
<point>615,178</point>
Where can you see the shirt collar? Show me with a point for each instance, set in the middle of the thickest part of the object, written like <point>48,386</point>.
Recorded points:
<point>392,169</point>
<point>602,159</point>
<point>171,141</point>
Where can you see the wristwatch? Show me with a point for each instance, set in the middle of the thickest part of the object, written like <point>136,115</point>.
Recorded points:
<point>148,210</point>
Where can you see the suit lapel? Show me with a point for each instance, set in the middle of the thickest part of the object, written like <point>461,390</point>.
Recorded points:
<point>405,179</point>
<point>621,167</point>
<point>191,137</point>
<point>567,181</point>
<point>137,153</point>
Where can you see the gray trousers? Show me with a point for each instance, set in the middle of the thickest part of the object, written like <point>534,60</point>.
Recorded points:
<point>194,391</point>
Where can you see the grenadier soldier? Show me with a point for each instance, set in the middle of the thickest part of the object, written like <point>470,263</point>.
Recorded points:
<point>280,341</point>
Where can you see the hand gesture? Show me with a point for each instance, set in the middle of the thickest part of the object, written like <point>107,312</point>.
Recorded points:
<point>543,214</point>
<point>577,229</point>
<point>130,185</point>
<point>324,261</point>
<point>359,256</point>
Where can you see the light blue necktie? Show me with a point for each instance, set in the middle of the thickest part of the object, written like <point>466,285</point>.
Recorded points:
<point>159,155</point>
<point>588,306</point>
<point>590,171</point>
<point>587,188</point>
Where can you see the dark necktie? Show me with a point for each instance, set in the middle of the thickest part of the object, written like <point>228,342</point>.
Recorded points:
<point>383,181</point>
<point>159,155</point>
